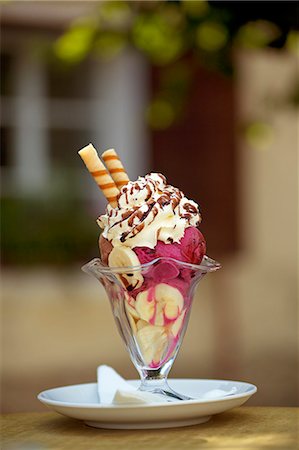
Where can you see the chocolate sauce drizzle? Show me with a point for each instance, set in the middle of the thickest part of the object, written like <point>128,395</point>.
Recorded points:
<point>136,216</point>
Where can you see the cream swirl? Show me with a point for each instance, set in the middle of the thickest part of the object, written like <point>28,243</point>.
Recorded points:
<point>148,210</point>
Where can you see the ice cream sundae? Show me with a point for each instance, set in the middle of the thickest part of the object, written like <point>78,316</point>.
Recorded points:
<point>151,241</point>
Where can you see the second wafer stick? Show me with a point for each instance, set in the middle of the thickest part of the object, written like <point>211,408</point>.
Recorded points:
<point>99,173</point>
<point>115,167</point>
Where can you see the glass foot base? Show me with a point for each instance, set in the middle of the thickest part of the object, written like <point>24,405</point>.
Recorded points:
<point>165,391</point>
<point>171,396</point>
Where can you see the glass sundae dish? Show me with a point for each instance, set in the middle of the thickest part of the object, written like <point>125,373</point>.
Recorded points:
<point>152,257</point>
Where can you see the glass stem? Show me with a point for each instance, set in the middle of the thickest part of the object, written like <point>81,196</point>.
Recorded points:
<point>155,381</point>
<point>152,379</point>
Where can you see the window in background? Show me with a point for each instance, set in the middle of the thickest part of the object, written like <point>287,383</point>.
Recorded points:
<point>5,138</point>
<point>45,120</point>
<point>6,74</point>
<point>69,82</point>
<point>52,112</point>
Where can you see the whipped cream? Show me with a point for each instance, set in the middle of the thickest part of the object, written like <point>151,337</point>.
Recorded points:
<point>148,210</point>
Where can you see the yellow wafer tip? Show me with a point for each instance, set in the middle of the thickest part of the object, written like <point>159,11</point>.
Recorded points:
<point>88,148</point>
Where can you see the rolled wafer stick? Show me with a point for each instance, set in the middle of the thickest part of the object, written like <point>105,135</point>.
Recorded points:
<point>100,174</point>
<point>115,167</point>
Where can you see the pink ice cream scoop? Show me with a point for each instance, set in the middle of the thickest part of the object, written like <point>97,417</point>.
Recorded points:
<point>190,249</point>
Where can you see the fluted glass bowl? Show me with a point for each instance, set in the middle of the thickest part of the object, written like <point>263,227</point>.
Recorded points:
<point>151,304</point>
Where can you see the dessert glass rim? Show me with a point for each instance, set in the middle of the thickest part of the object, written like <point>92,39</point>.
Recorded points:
<point>207,265</point>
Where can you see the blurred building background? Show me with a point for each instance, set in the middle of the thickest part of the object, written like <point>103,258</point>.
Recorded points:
<point>216,115</point>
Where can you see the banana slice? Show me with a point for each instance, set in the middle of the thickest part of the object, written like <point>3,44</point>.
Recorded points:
<point>178,323</point>
<point>159,305</point>
<point>152,342</point>
<point>141,324</point>
<point>145,304</point>
<point>172,300</point>
<point>126,257</point>
<point>132,323</point>
<point>131,312</point>
<point>130,306</point>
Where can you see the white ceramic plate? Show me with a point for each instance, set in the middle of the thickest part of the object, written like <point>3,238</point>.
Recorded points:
<point>81,402</point>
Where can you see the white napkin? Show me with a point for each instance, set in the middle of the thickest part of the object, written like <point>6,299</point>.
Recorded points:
<point>115,390</point>
<point>217,393</point>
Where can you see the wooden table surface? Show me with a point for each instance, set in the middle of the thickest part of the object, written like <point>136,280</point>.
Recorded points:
<point>242,428</point>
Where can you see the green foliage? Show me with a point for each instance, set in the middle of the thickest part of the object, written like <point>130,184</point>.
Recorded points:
<point>73,46</point>
<point>160,113</point>
<point>46,232</point>
<point>115,14</point>
<point>168,33</point>
<point>211,36</point>
<point>109,44</point>
<point>195,9</point>
<point>259,135</point>
<point>292,42</point>
<point>257,34</point>
<point>157,38</point>
<point>168,103</point>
